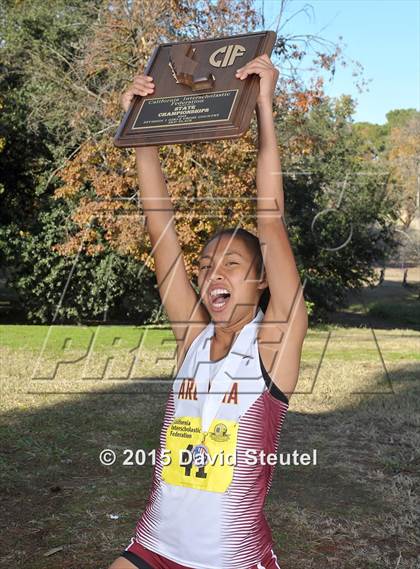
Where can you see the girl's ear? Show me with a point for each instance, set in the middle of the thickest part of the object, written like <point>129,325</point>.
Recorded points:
<point>263,282</point>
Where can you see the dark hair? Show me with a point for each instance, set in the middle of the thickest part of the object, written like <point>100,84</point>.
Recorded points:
<point>253,243</point>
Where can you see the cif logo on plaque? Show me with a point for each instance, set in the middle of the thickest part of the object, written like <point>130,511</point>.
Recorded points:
<point>197,97</point>
<point>230,54</point>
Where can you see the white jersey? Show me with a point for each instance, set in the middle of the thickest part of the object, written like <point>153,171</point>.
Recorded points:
<point>205,509</point>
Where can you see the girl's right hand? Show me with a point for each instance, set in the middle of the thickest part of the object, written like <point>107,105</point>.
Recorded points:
<point>142,85</point>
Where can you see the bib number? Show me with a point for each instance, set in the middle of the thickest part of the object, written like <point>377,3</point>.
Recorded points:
<point>194,463</point>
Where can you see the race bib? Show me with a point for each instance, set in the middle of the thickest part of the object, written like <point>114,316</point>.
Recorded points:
<point>192,462</point>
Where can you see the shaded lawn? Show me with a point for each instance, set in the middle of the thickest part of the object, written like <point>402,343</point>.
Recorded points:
<point>387,306</point>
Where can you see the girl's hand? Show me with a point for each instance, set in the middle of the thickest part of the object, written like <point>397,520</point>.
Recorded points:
<point>269,74</point>
<point>142,85</point>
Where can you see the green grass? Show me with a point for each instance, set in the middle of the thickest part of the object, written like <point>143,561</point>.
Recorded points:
<point>75,341</point>
<point>79,337</point>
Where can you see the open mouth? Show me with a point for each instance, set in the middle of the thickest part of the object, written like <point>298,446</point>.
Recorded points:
<point>219,297</point>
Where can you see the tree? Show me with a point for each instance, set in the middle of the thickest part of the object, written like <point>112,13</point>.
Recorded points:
<point>79,288</point>
<point>341,215</point>
<point>403,153</point>
<point>373,137</point>
<point>398,118</point>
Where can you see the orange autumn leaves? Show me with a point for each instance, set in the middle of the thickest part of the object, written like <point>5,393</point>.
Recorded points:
<point>211,185</point>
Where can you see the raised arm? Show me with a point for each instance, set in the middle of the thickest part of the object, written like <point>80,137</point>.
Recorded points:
<point>286,312</point>
<point>176,291</point>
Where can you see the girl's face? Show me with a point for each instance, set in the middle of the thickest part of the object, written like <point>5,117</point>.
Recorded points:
<point>227,279</point>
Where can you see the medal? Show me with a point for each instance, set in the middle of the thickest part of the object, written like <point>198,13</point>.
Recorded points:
<point>200,455</point>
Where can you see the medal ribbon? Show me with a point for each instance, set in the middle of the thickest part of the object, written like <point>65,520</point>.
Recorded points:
<point>211,401</point>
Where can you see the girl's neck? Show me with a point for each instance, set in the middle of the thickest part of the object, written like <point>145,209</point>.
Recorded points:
<point>224,333</point>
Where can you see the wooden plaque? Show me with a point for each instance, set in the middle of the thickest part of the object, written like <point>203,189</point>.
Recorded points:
<point>197,97</point>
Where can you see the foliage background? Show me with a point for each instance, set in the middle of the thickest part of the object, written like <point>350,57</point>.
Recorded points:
<point>73,244</point>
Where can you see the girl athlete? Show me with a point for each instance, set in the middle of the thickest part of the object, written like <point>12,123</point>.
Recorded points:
<point>237,369</point>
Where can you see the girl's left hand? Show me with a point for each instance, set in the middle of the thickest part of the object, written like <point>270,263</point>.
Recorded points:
<point>263,67</point>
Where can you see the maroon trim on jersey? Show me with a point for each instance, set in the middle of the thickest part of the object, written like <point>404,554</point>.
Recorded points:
<point>245,531</point>
<point>144,558</point>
